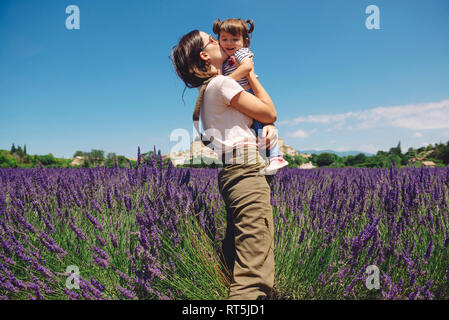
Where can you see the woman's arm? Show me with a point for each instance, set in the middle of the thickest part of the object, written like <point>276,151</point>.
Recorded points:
<point>258,106</point>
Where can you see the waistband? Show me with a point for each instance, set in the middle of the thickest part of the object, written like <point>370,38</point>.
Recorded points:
<point>247,154</point>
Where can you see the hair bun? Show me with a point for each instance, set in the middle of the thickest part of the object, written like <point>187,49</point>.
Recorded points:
<point>216,26</point>
<point>251,25</point>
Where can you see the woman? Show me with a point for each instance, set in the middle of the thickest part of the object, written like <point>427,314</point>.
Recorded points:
<point>227,111</point>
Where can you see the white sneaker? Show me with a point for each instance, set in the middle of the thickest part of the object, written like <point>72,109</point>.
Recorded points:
<point>275,164</point>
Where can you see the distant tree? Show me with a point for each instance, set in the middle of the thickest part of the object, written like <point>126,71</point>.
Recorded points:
<point>411,153</point>
<point>300,160</point>
<point>13,148</point>
<point>47,160</point>
<point>7,160</point>
<point>444,154</point>
<point>110,159</point>
<point>25,149</point>
<point>295,161</point>
<point>150,154</point>
<point>396,151</point>
<point>122,161</point>
<point>349,160</point>
<point>325,159</point>
<point>111,156</point>
<point>360,158</point>
<point>314,158</point>
<point>373,162</point>
<point>27,159</point>
<point>78,154</point>
<point>167,161</point>
<point>146,156</point>
<point>3,158</point>
<point>395,159</point>
<point>381,153</point>
<point>338,163</point>
<point>404,159</point>
<point>96,156</point>
<point>86,163</point>
<point>20,151</point>
<point>356,160</point>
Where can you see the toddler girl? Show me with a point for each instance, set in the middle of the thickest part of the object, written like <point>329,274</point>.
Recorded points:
<point>233,36</point>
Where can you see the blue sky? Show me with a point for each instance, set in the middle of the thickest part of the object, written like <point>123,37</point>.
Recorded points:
<point>110,85</point>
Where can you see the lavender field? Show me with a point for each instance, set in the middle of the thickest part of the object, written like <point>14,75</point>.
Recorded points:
<point>153,233</point>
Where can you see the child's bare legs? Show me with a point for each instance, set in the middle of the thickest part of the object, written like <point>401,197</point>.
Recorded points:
<point>274,154</point>
<point>270,153</point>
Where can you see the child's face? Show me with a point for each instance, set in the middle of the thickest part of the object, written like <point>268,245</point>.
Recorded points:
<point>230,43</point>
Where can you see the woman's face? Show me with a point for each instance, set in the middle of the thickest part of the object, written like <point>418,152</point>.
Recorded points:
<point>214,51</point>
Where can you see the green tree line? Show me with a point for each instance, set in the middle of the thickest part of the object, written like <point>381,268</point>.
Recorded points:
<point>17,157</point>
<point>439,154</point>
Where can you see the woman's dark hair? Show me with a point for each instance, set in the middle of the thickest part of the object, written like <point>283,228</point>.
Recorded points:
<point>236,27</point>
<point>187,61</point>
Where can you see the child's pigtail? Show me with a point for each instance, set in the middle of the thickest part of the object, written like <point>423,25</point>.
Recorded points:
<point>216,27</point>
<point>251,25</point>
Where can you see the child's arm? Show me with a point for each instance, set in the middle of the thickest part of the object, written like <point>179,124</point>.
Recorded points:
<point>244,57</point>
<point>242,70</point>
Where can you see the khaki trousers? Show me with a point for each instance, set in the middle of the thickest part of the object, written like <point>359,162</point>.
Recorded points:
<point>248,244</point>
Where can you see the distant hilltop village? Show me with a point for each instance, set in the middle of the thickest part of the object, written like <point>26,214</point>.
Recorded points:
<point>198,150</point>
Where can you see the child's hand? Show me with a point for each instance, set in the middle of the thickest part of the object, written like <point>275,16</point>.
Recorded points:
<point>232,61</point>
<point>243,69</point>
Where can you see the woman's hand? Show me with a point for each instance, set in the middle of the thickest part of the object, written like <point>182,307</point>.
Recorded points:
<point>251,72</point>
<point>269,137</point>
<point>243,69</point>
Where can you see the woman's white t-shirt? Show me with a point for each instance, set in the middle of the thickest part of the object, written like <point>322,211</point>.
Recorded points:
<point>229,127</point>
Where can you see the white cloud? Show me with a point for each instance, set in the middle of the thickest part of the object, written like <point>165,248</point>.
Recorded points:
<point>320,118</point>
<point>417,134</point>
<point>424,116</point>
<point>299,134</point>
